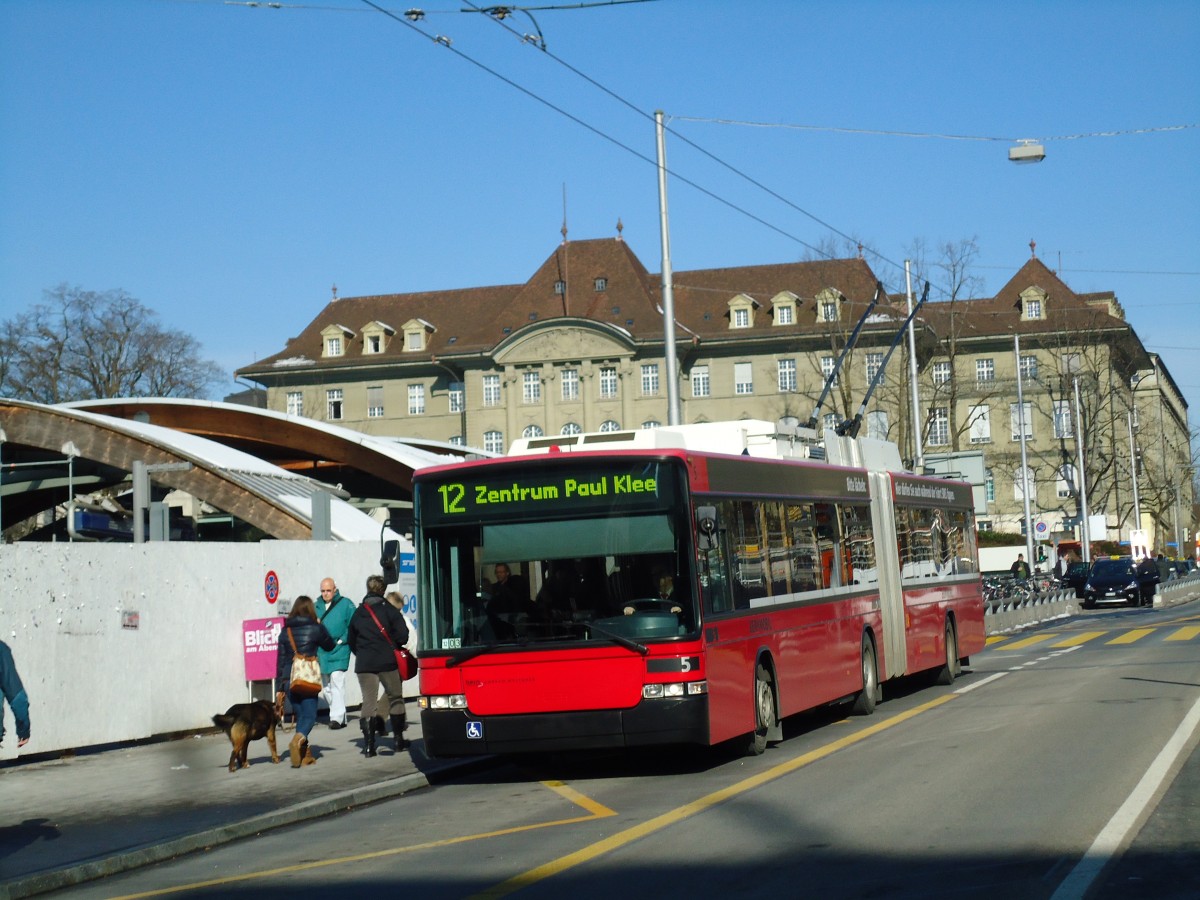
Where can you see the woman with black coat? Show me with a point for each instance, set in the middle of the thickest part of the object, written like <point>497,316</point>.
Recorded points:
<point>302,634</point>
<point>374,640</point>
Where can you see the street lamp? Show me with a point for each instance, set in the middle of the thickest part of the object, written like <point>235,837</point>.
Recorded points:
<point>1027,150</point>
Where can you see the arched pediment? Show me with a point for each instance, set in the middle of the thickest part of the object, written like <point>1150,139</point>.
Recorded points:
<point>563,340</point>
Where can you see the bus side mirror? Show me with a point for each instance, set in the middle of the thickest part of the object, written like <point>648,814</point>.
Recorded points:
<point>389,562</point>
<point>706,527</point>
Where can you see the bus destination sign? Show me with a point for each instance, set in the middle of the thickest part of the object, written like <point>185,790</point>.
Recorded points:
<point>544,490</point>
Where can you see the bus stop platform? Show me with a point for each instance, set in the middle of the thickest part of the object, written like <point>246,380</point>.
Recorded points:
<point>75,818</point>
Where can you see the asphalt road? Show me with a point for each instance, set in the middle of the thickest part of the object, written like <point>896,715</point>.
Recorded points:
<point>1062,765</point>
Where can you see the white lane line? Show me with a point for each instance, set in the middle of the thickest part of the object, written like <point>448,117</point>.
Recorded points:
<point>1108,841</point>
<point>980,683</point>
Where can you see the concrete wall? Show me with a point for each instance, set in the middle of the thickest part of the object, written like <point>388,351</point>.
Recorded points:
<point>65,611</point>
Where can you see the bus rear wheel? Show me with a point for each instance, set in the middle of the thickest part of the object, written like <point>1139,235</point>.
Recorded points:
<point>764,710</point>
<point>864,703</point>
<point>950,670</point>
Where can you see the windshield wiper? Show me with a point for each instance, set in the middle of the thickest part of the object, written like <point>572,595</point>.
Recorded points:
<point>471,654</point>
<point>628,643</point>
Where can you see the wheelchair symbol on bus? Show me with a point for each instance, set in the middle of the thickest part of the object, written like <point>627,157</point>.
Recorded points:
<point>474,731</point>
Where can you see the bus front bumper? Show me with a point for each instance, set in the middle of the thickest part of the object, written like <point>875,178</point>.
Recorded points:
<point>456,732</point>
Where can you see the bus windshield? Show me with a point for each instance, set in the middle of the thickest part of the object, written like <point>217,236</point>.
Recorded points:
<point>551,551</point>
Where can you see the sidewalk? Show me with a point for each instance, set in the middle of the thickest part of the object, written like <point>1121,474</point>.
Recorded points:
<point>70,820</point>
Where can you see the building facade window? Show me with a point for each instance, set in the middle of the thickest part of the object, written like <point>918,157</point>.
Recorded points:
<point>532,431</point>
<point>785,314</point>
<point>374,343</point>
<point>600,284</point>
<point>743,378</point>
<point>985,370</point>
<point>333,346</point>
<point>608,382</point>
<point>1065,483</point>
<point>827,365</point>
<point>416,399</point>
<point>651,423</point>
<point>1033,309</point>
<point>609,425</point>
<point>828,311</point>
<point>295,403</point>
<point>571,428</point>
<point>1063,423</point>
<point>458,397</point>
<point>941,372</point>
<point>787,376</point>
<point>333,404</point>
<point>491,390</point>
<point>874,363</point>
<point>493,441</point>
<point>1018,413</point>
<point>1029,367</point>
<point>569,379</point>
<point>650,380</point>
<point>414,340</point>
<point>989,486</point>
<point>456,440</point>
<point>830,420</point>
<point>531,386</point>
<point>939,427</point>
<point>979,421</point>
<point>700,382</point>
<point>560,287</point>
<point>741,318</point>
<point>877,424</point>
<point>1019,479</point>
<point>375,402</point>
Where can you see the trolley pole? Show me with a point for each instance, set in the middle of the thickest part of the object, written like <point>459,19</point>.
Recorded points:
<point>674,414</point>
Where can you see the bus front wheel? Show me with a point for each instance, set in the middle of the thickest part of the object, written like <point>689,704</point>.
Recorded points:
<point>864,703</point>
<point>764,710</point>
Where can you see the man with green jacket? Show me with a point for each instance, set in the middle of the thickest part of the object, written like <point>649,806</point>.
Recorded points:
<point>334,612</point>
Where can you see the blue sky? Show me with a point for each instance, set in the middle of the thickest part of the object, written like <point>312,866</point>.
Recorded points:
<point>226,163</point>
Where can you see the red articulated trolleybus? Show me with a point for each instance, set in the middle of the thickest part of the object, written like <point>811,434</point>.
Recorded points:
<point>691,584</point>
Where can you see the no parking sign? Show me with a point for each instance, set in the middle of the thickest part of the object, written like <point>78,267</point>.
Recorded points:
<point>271,587</point>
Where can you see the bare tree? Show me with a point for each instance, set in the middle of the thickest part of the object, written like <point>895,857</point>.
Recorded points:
<point>83,345</point>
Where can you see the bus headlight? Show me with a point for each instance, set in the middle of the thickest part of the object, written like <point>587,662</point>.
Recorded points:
<point>443,701</point>
<point>674,689</point>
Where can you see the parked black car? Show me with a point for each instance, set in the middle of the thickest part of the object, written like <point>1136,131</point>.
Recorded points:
<point>1075,577</point>
<point>1120,578</point>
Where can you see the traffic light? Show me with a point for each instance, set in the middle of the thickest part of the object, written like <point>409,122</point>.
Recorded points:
<point>1041,553</point>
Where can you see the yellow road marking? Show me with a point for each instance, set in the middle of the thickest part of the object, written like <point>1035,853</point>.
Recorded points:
<point>1082,638</point>
<point>1130,636</point>
<point>642,829</point>
<point>595,811</point>
<point>1028,642</point>
<point>995,639</point>
<point>1184,634</point>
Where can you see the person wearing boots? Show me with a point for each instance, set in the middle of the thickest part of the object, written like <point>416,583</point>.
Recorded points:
<point>302,634</point>
<point>377,629</point>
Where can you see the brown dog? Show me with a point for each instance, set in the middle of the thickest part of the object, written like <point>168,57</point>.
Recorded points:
<point>246,722</point>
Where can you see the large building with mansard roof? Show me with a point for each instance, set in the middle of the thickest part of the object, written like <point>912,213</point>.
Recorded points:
<point>579,347</point>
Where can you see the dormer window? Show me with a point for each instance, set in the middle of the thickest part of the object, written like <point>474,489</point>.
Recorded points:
<point>741,311</point>
<point>601,284</point>
<point>783,308</point>
<point>829,306</point>
<point>376,336</point>
<point>334,340</point>
<point>416,335</point>
<point>1033,304</point>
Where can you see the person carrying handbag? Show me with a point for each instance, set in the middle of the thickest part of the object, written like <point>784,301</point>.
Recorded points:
<point>302,635</point>
<point>376,629</point>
